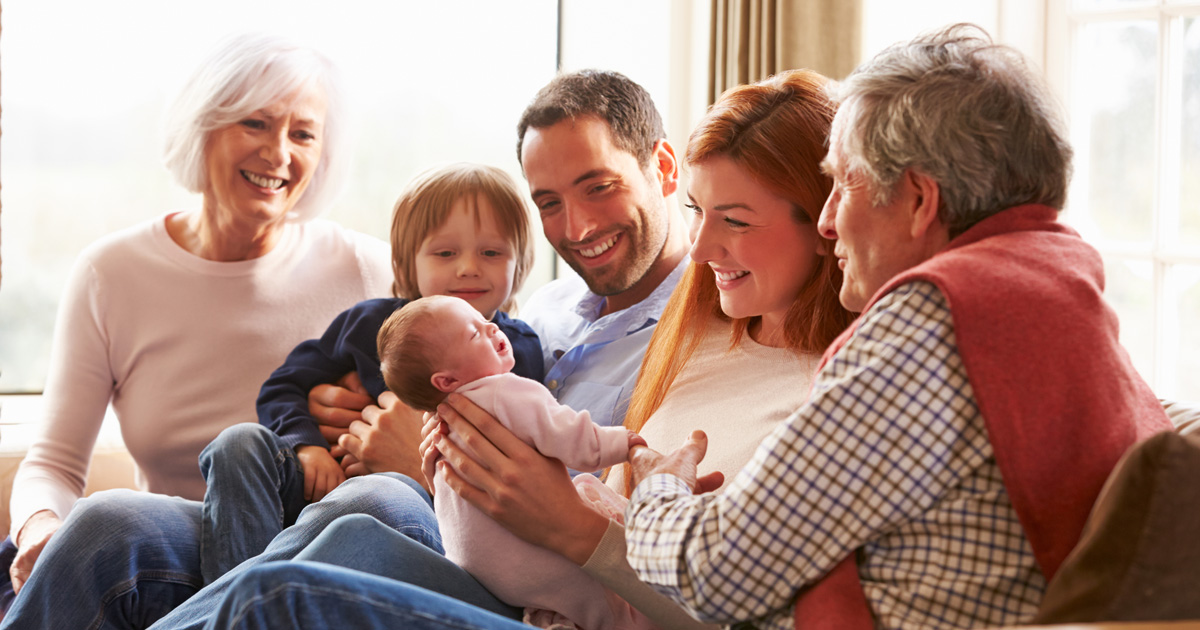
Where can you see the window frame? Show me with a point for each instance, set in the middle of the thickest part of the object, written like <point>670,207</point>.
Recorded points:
<point>1064,21</point>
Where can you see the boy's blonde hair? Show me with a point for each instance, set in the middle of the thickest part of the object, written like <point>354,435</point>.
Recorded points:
<point>425,204</point>
<point>405,349</point>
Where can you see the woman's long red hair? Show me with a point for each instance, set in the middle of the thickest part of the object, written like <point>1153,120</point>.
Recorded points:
<point>777,130</point>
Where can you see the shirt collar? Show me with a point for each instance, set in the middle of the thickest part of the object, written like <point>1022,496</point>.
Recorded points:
<point>639,315</point>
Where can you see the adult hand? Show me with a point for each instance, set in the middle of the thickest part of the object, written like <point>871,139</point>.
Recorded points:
<point>529,494</point>
<point>429,453</point>
<point>336,406</point>
<point>351,467</point>
<point>681,462</point>
<point>386,438</point>
<point>31,540</point>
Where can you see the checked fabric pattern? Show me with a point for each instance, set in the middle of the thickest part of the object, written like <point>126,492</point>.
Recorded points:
<point>889,457</point>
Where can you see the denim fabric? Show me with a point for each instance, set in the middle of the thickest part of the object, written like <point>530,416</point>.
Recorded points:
<point>364,544</point>
<point>8,553</point>
<point>311,595</point>
<point>121,560</point>
<point>393,499</point>
<point>255,489</point>
<point>124,559</point>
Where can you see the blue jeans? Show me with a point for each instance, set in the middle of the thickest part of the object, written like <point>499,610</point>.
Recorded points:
<point>125,559</point>
<point>381,580</point>
<point>313,595</point>
<point>255,490</point>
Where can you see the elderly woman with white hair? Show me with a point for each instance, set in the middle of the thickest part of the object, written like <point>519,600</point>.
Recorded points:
<point>179,320</point>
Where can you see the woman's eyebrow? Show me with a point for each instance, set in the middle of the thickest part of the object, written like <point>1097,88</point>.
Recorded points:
<point>725,206</point>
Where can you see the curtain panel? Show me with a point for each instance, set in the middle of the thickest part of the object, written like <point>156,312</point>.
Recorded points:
<point>750,40</point>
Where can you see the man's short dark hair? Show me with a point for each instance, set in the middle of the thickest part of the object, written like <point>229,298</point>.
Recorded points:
<point>612,97</point>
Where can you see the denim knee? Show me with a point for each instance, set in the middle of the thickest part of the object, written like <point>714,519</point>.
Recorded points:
<point>354,526</point>
<point>109,511</point>
<point>391,498</point>
<point>237,443</point>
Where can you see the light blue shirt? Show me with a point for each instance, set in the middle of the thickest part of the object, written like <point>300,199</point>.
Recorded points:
<point>592,362</point>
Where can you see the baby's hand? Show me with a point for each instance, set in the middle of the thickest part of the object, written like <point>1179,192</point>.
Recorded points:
<point>322,473</point>
<point>636,440</point>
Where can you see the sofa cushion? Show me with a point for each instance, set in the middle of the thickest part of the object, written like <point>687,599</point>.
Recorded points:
<point>1138,557</point>
<point>1184,415</point>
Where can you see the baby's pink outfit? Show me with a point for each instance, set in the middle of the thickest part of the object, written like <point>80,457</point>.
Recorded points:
<point>517,572</point>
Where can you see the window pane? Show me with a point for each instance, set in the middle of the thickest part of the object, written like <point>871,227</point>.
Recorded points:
<point>1115,100</point>
<point>1128,288</point>
<point>1189,175</point>
<point>1182,377</point>
<point>429,83</point>
<point>1091,5</point>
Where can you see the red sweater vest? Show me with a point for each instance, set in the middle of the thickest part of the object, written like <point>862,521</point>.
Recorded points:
<point>1059,396</point>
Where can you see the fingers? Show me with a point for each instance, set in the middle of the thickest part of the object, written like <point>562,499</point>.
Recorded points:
<point>352,382</point>
<point>429,458</point>
<point>352,444</point>
<point>19,574</point>
<point>310,484</point>
<point>698,443</point>
<point>388,399</point>
<point>429,422</point>
<point>338,405</point>
<point>466,430</point>
<point>489,439</point>
<point>643,459</point>
<point>331,433</point>
<point>328,479</point>
<point>710,482</point>
<point>352,467</point>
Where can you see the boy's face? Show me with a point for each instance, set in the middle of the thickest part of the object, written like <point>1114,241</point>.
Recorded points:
<point>463,259</point>
<point>472,346</point>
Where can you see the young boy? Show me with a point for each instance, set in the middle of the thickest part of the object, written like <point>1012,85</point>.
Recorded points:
<point>437,345</point>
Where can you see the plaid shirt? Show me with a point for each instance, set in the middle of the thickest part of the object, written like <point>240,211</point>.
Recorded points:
<point>889,457</point>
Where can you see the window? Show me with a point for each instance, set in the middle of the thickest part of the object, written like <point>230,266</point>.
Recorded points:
<point>85,85</point>
<point>1129,71</point>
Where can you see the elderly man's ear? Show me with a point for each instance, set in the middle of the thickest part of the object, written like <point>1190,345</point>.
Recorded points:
<point>922,197</point>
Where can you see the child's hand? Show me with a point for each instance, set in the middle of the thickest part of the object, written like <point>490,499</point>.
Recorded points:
<point>322,473</point>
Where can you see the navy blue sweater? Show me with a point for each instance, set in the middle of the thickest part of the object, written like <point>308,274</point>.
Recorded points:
<point>349,345</point>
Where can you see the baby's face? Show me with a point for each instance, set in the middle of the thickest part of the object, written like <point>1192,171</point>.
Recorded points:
<point>474,347</point>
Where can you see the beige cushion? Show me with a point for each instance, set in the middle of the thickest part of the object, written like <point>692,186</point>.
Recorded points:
<point>1184,415</point>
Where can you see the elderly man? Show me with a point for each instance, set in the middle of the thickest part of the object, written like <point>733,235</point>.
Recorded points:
<point>957,435</point>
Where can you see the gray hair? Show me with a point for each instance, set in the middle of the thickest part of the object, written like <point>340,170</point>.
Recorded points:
<point>243,75</point>
<point>966,112</point>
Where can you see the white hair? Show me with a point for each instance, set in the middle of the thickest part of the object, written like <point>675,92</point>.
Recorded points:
<point>243,75</point>
<point>962,110</point>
